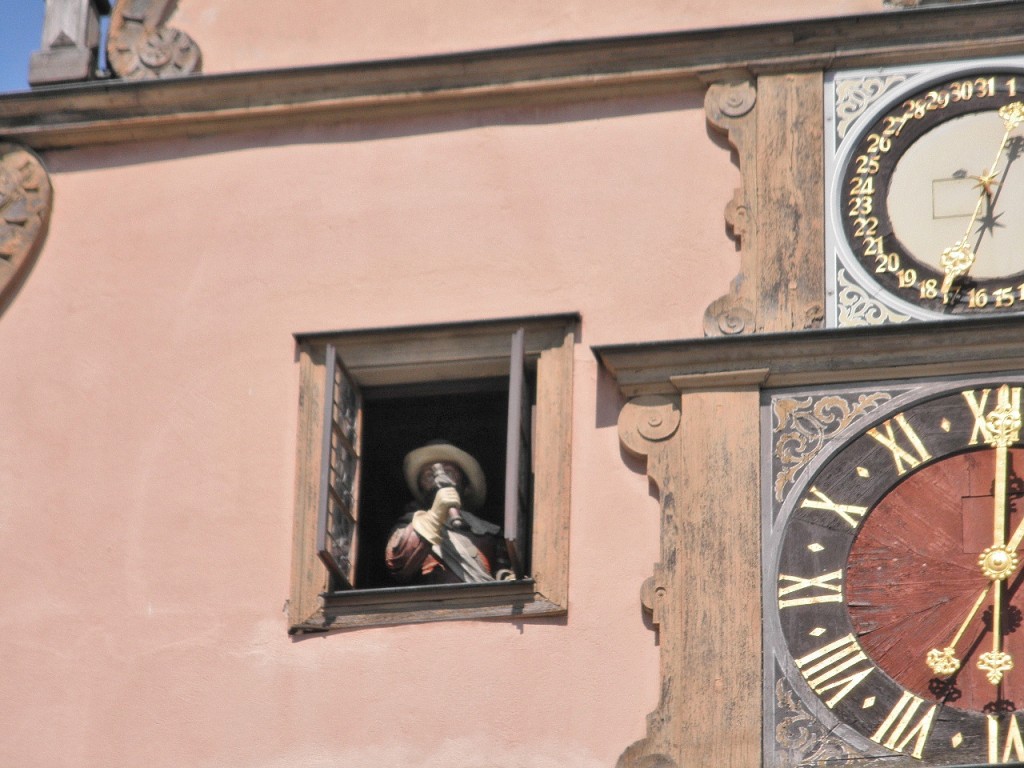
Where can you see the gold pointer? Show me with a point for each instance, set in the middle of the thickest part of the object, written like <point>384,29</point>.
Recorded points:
<point>944,662</point>
<point>957,260</point>
<point>999,561</point>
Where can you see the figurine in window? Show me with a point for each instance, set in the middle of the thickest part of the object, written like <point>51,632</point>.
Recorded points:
<point>443,542</point>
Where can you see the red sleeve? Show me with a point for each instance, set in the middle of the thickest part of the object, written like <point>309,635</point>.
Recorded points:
<point>406,552</point>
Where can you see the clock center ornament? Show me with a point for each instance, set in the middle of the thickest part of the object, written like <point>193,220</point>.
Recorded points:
<point>925,185</point>
<point>894,617</point>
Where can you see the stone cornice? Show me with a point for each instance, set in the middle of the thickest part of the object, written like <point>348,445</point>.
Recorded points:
<point>109,112</point>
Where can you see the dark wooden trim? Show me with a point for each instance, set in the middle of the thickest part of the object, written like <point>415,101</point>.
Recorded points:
<point>412,605</point>
<point>791,359</point>
<point>117,111</point>
<point>436,595</point>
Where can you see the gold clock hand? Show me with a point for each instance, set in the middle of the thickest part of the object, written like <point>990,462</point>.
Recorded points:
<point>996,662</point>
<point>944,662</point>
<point>1003,425</point>
<point>998,561</point>
<point>958,260</point>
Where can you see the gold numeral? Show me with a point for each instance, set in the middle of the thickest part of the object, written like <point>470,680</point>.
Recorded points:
<point>1012,747</point>
<point>899,727</point>
<point>903,458</point>
<point>907,278</point>
<point>830,592</point>
<point>846,511</point>
<point>980,431</point>
<point>867,164</point>
<point>820,667</point>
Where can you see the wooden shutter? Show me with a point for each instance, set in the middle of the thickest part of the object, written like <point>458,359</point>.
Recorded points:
<point>338,511</point>
<point>517,457</point>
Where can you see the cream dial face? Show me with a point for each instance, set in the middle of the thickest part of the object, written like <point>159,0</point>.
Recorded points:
<point>935,188</point>
<point>928,198</point>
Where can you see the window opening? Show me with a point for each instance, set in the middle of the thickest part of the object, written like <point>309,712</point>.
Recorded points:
<point>366,399</point>
<point>471,415</point>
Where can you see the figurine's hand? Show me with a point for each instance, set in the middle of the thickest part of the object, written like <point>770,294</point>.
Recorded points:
<point>445,500</point>
<point>429,523</point>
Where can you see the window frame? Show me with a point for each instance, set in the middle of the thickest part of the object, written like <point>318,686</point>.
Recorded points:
<point>439,353</point>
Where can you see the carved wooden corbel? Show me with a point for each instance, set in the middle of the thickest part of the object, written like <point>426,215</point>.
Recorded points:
<point>703,595</point>
<point>140,47</point>
<point>778,212</point>
<point>26,198</point>
<point>730,109</point>
<point>647,425</point>
<point>646,421</point>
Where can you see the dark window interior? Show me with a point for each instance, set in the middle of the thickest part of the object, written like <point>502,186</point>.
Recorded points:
<point>471,415</point>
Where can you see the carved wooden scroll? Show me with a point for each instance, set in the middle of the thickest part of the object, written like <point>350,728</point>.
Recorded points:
<point>777,213</point>
<point>730,109</point>
<point>140,47</point>
<point>646,426</point>
<point>26,198</point>
<point>703,595</point>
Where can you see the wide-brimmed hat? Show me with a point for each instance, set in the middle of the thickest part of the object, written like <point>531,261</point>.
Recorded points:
<point>439,451</point>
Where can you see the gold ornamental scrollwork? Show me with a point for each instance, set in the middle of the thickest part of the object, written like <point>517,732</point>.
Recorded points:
<point>26,198</point>
<point>140,47</point>
<point>647,419</point>
<point>800,739</point>
<point>802,427</point>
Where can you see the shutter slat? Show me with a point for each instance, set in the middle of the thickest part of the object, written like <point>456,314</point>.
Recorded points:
<point>337,512</point>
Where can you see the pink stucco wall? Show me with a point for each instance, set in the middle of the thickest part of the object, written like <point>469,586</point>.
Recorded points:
<point>148,424</point>
<point>327,31</point>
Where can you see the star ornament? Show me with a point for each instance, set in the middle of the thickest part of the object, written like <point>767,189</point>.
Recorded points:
<point>987,182</point>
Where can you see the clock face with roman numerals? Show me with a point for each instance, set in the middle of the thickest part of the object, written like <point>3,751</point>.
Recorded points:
<point>893,574</point>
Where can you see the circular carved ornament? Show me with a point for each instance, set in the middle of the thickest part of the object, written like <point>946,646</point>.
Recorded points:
<point>647,419</point>
<point>26,198</point>
<point>137,53</point>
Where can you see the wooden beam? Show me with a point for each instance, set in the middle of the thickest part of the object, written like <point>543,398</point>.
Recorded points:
<point>820,357</point>
<point>108,112</point>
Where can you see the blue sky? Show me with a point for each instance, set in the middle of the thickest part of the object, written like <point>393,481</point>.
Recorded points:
<point>21,27</point>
